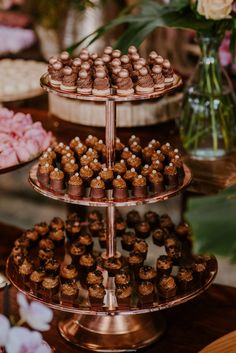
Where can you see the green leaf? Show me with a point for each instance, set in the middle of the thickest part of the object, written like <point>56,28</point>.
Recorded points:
<point>134,35</point>
<point>213,222</point>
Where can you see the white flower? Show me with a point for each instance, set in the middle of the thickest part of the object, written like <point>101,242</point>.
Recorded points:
<point>4,329</point>
<point>36,315</point>
<point>215,9</point>
<point>22,340</point>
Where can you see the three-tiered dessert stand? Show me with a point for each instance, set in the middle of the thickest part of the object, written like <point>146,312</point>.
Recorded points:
<point>111,328</point>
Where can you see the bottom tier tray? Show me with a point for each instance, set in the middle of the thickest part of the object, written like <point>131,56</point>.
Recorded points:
<point>109,328</point>
<point>110,307</point>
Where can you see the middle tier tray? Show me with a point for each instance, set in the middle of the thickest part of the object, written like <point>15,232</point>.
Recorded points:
<point>109,200</point>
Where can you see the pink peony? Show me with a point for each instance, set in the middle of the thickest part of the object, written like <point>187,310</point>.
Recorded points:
<point>224,51</point>
<point>8,158</point>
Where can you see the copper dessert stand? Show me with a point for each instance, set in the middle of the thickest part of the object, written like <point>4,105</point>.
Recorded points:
<point>109,329</point>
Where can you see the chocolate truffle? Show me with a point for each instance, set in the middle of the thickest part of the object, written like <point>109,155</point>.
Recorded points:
<point>167,287</point>
<point>86,240</point>
<point>124,83</point>
<point>76,250</point>
<point>75,186</point>
<point>107,176</point>
<point>84,82</point>
<point>43,173</point>
<point>36,279</point>
<point>128,240</point>
<point>101,84</point>
<point>171,176</point>
<point>141,246</point>
<point>132,218</point>
<point>145,82</point>
<point>142,229</point>
<point>147,273</point>
<point>42,229</point>
<point>156,182</point>
<point>185,279</point>
<point>97,188</point>
<point>112,265</point>
<point>72,229</point>
<point>152,218</point>
<point>86,174</point>
<point>96,294</point>
<point>120,190</point>
<point>163,266</point>
<point>69,293</point>
<point>68,273</point>
<point>50,287</point>
<point>69,80</point>
<point>123,294</point>
<point>57,180</point>
<point>129,177</point>
<point>139,186</point>
<point>94,277</point>
<point>146,292</point>
<point>120,168</point>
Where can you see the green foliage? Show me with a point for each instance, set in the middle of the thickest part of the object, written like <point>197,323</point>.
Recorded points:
<point>143,17</point>
<point>213,220</point>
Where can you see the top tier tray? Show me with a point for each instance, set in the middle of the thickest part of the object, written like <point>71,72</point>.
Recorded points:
<point>44,81</point>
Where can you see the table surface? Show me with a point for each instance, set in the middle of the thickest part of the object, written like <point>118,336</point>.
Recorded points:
<point>190,326</point>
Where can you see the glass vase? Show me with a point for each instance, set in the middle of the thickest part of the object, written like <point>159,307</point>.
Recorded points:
<point>207,121</point>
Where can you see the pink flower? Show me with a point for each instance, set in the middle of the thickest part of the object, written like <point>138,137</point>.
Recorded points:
<point>35,314</point>
<point>22,340</point>
<point>6,4</point>
<point>4,331</point>
<point>224,51</point>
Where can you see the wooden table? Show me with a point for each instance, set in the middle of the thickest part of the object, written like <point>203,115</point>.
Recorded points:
<point>190,326</point>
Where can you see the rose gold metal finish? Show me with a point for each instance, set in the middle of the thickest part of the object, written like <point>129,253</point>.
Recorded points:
<point>82,306</point>
<point>113,333</point>
<point>87,201</point>
<point>44,81</point>
<point>110,132</point>
<point>109,328</point>
<point>111,238</point>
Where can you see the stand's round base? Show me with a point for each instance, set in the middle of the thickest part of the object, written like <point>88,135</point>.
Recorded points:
<point>113,333</point>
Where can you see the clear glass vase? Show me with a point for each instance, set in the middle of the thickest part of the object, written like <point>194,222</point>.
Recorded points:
<point>207,121</point>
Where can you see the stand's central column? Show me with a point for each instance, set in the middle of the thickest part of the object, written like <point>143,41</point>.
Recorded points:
<point>110,158</point>
<point>110,132</point>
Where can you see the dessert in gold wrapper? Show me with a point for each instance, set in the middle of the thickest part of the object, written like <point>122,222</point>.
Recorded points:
<point>97,188</point>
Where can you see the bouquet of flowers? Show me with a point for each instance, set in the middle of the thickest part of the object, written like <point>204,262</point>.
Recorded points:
<point>17,339</point>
